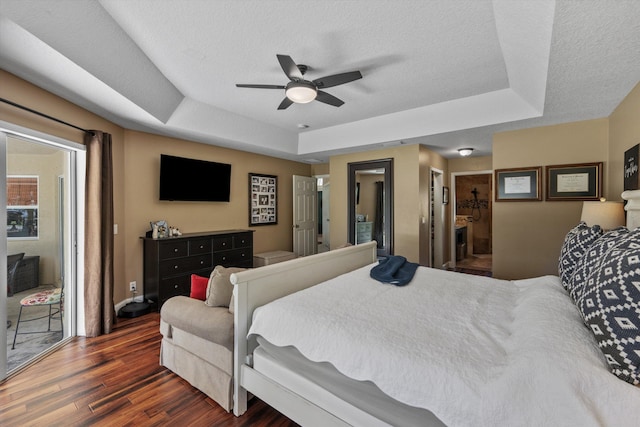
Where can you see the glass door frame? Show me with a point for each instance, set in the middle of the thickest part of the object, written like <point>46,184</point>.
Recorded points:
<point>74,225</point>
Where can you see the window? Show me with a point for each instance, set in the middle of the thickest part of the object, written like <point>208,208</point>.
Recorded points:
<point>22,207</point>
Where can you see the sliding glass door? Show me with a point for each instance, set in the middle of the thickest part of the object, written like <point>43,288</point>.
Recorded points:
<point>40,209</point>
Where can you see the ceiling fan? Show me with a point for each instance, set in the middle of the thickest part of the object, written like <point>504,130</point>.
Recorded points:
<point>302,91</point>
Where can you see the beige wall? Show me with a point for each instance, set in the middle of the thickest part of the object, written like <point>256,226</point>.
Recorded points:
<point>469,164</point>
<point>408,187</point>
<point>624,133</point>
<point>142,167</point>
<point>527,236</point>
<point>136,166</point>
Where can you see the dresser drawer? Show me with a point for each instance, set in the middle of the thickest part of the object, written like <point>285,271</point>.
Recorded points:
<point>222,243</point>
<point>175,249</point>
<point>178,285</point>
<point>199,246</point>
<point>182,265</point>
<point>243,240</point>
<point>233,258</point>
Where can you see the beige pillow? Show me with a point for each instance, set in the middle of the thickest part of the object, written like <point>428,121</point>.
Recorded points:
<point>220,289</point>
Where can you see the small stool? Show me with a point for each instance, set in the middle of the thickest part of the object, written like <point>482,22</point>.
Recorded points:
<point>273,257</point>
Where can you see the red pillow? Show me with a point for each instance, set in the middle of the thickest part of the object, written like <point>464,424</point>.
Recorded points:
<point>199,287</point>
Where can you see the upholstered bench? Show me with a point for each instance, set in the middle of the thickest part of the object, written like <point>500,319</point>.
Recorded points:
<point>273,257</point>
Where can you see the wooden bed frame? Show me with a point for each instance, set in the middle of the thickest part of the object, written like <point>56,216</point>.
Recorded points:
<point>257,287</point>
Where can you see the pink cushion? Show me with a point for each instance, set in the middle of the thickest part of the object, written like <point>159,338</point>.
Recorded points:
<point>199,287</point>
<point>42,298</point>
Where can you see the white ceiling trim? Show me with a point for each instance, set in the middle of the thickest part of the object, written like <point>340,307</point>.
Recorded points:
<point>206,119</point>
<point>475,111</point>
<point>20,50</point>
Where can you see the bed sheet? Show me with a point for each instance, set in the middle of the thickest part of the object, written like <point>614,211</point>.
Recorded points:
<point>473,350</point>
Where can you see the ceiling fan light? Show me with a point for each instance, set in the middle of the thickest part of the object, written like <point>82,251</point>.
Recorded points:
<point>464,152</point>
<point>301,92</point>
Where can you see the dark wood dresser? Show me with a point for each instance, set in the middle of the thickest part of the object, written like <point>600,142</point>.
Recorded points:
<point>170,262</point>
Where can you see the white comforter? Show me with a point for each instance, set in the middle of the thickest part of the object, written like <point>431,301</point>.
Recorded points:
<point>473,350</point>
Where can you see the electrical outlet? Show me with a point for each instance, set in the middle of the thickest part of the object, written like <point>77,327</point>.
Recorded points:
<point>132,286</point>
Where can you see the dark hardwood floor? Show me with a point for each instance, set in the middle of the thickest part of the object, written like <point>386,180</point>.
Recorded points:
<point>116,380</point>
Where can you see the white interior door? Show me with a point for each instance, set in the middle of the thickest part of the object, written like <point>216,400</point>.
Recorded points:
<point>305,238</point>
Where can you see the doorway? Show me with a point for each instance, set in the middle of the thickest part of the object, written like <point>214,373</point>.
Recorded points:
<point>40,207</point>
<point>472,216</point>
<point>324,224</point>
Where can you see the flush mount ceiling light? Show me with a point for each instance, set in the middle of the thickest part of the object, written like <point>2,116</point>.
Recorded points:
<point>301,91</point>
<point>464,152</point>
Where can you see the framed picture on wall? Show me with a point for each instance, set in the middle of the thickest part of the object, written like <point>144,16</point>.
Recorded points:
<point>22,207</point>
<point>581,181</point>
<point>519,184</point>
<point>263,202</point>
<point>631,163</point>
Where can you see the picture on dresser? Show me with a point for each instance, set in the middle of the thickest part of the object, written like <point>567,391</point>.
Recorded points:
<point>263,205</point>
<point>22,207</point>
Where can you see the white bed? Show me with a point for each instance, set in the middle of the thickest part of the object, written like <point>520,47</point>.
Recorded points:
<point>447,349</point>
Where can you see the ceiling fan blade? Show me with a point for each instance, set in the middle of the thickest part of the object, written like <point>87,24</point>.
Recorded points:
<point>286,102</point>
<point>337,79</point>
<point>289,67</point>
<point>261,86</point>
<point>329,99</point>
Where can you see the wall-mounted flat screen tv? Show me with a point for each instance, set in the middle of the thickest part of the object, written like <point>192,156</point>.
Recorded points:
<point>193,180</point>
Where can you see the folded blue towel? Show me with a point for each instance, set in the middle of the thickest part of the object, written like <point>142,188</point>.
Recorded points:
<point>395,270</point>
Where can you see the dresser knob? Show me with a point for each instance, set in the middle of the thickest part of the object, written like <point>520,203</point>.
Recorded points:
<point>224,258</point>
<point>201,246</point>
<point>175,286</point>
<point>224,244</point>
<point>175,249</point>
<point>175,267</point>
<point>201,262</point>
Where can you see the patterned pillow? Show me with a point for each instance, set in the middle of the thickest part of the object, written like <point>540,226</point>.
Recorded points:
<point>610,307</point>
<point>576,243</point>
<point>591,259</point>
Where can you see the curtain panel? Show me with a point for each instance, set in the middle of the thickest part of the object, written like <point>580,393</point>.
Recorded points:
<point>98,264</point>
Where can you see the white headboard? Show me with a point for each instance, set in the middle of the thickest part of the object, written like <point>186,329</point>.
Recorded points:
<point>633,208</point>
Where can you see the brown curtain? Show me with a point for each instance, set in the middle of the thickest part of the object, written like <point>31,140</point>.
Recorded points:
<point>98,256</point>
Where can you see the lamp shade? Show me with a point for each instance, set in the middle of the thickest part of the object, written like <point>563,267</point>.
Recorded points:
<point>608,215</point>
<point>464,152</point>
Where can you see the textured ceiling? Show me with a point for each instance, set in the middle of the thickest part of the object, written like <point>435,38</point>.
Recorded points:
<point>441,73</point>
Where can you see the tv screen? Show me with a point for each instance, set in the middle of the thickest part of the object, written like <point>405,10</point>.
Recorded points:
<point>194,180</point>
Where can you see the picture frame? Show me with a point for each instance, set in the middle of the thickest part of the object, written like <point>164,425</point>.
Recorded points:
<point>22,207</point>
<point>580,181</point>
<point>631,163</point>
<point>263,199</point>
<point>519,184</point>
<point>445,195</point>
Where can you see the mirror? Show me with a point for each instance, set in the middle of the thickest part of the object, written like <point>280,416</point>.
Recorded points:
<point>371,204</point>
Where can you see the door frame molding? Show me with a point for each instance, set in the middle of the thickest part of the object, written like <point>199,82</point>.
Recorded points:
<point>387,164</point>
<point>452,200</point>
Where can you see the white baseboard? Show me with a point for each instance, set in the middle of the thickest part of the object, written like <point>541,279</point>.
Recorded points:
<point>137,298</point>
